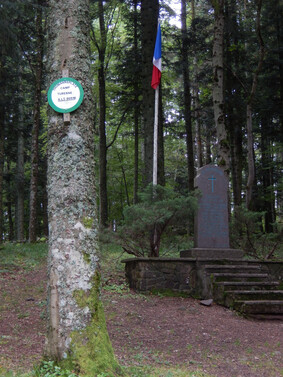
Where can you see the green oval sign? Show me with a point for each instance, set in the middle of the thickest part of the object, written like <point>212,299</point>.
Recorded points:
<point>65,95</point>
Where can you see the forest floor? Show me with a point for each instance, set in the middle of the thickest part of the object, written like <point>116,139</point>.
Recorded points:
<point>165,334</point>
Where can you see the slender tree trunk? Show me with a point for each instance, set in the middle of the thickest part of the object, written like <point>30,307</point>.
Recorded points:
<point>237,162</point>
<point>250,142</point>
<point>267,178</point>
<point>20,188</point>
<point>235,117</point>
<point>35,129</point>
<point>149,18</point>
<point>124,178</point>
<point>279,27</point>
<point>45,200</point>
<point>1,169</point>
<point>136,109</point>
<point>251,162</point>
<point>208,159</point>
<point>198,129</point>
<point>20,178</point>
<point>218,86</point>
<point>187,97</point>
<point>77,331</point>
<point>195,102</point>
<point>103,199</point>
<point>9,203</point>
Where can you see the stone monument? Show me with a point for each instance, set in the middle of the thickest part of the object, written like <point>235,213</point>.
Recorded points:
<point>211,223</point>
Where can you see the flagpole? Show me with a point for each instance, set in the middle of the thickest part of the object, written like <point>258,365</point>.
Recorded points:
<point>155,136</point>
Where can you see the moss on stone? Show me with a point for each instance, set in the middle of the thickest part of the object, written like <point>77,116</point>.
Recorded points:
<point>91,349</point>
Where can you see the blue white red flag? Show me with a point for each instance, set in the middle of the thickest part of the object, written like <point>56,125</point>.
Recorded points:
<point>156,72</point>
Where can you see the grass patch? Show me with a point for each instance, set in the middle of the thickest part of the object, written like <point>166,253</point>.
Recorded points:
<point>22,255</point>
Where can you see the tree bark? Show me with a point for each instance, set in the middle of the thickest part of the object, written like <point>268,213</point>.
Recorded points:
<point>218,86</point>
<point>35,128</point>
<point>45,199</point>
<point>250,142</point>
<point>187,97</point>
<point>195,101</point>
<point>235,112</point>
<point>77,331</point>
<point>1,168</point>
<point>279,32</point>
<point>20,178</point>
<point>149,18</point>
<point>9,201</point>
<point>103,197</point>
<point>267,178</point>
<point>136,109</point>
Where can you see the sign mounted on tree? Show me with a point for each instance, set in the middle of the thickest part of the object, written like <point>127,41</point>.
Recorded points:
<point>65,95</point>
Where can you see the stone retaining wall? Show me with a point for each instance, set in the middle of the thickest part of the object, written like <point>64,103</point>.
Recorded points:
<point>181,275</point>
<point>161,274</point>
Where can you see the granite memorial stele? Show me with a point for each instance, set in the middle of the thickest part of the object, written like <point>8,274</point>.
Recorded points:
<point>211,236</point>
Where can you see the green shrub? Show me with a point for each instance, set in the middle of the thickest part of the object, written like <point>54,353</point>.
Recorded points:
<point>50,369</point>
<point>160,211</point>
<point>247,233</point>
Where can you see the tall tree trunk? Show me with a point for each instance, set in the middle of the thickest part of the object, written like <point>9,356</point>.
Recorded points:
<point>136,109</point>
<point>267,178</point>
<point>9,203</point>
<point>195,102</point>
<point>208,159</point>
<point>235,118</point>
<point>36,125</point>
<point>198,128</point>
<point>279,29</point>
<point>103,199</point>
<point>218,86</point>
<point>77,331</point>
<point>251,161</point>
<point>149,18</point>
<point>1,169</point>
<point>45,200</point>
<point>187,97</point>
<point>20,178</point>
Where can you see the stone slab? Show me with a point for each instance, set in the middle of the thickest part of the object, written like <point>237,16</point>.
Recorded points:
<point>211,223</point>
<point>212,253</point>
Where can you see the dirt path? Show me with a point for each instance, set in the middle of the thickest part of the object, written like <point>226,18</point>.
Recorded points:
<point>145,330</point>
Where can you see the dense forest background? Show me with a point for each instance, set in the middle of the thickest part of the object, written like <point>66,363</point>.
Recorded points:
<point>220,102</point>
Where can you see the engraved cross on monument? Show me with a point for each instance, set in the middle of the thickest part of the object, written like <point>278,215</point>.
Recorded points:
<point>211,238</point>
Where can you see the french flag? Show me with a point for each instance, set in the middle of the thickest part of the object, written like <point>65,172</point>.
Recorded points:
<point>156,72</point>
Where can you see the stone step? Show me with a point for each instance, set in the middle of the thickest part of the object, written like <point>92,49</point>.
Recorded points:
<point>259,306</point>
<point>220,289</point>
<point>246,285</point>
<point>237,269</point>
<point>238,277</point>
<point>231,296</point>
<point>267,317</point>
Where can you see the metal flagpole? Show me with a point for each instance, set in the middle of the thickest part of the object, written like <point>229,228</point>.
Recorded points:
<point>155,137</point>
